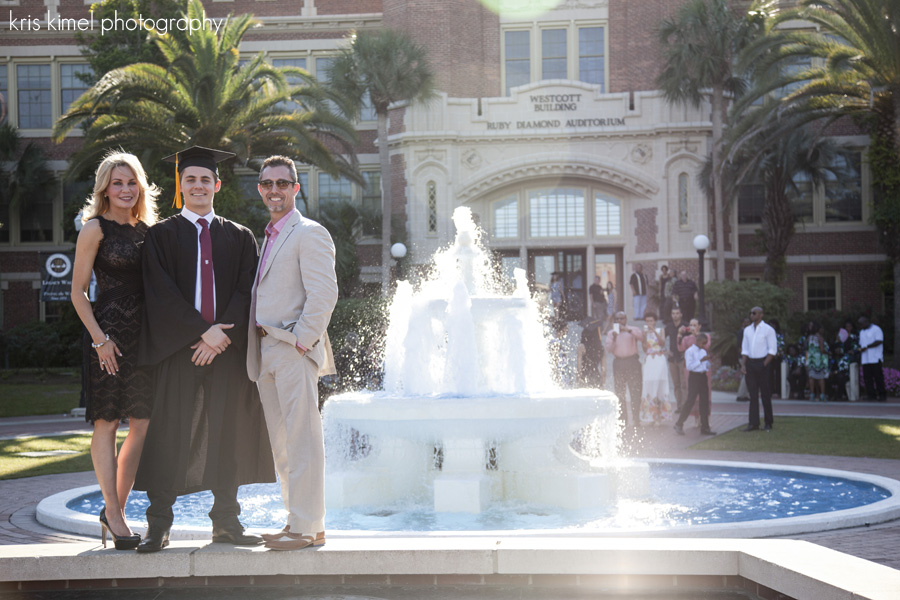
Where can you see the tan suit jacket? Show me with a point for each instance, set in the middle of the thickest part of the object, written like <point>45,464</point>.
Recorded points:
<point>295,295</point>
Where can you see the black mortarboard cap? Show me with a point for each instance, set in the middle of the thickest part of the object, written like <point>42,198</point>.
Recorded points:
<point>195,156</point>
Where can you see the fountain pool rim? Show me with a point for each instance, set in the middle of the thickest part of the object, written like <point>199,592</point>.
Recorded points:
<point>53,512</point>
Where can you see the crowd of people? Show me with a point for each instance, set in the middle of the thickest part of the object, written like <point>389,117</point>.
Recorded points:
<point>211,351</point>
<point>652,363</point>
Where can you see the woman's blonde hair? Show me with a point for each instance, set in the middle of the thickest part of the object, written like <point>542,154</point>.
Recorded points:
<point>98,203</point>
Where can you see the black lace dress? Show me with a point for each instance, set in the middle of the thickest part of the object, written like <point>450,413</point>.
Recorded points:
<point>119,311</point>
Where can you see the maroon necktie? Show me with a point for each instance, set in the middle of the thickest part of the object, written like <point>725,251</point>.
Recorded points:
<point>207,301</point>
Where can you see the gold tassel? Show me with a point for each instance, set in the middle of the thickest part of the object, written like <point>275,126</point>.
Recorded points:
<point>177,202</point>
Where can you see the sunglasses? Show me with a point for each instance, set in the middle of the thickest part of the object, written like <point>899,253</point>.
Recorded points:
<point>282,184</point>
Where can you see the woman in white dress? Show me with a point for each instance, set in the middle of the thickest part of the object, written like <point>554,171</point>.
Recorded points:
<point>655,405</point>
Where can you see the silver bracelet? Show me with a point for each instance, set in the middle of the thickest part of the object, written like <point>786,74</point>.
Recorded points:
<point>95,346</point>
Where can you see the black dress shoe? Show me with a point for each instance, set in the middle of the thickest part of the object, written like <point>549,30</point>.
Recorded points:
<point>767,428</point>
<point>155,540</point>
<point>750,428</point>
<point>232,532</point>
<point>707,432</point>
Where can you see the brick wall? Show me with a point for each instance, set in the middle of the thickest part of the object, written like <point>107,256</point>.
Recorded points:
<point>20,304</point>
<point>646,230</point>
<point>462,38</point>
<point>346,7</point>
<point>859,283</point>
<point>861,242</point>
<point>634,54</point>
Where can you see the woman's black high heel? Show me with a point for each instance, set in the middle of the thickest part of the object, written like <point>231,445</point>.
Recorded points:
<point>122,542</point>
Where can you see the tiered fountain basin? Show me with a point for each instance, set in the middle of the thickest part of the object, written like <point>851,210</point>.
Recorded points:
<point>467,452</point>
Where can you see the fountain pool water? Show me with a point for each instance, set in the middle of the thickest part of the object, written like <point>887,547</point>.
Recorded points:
<point>687,498</point>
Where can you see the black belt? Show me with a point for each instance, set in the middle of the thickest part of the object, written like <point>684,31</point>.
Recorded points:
<point>756,359</point>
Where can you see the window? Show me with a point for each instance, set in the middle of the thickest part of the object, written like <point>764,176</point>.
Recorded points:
<point>4,221</point>
<point>801,198</point>
<point>293,80</point>
<point>71,86</point>
<point>557,212</point>
<point>590,55</point>
<point>4,91</point>
<point>553,54</point>
<point>367,110</point>
<point>36,221</point>
<point>607,215</point>
<point>323,74</point>
<point>843,189</point>
<point>334,190</point>
<point>751,199</point>
<point>560,52</point>
<point>371,195</point>
<point>431,192</point>
<point>684,213</point>
<point>822,291</point>
<point>506,217</point>
<point>303,179</point>
<point>518,58</point>
<point>794,66</point>
<point>34,103</point>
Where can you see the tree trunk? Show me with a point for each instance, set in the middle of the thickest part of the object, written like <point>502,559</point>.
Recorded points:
<point>386,203</point>
<point>717,125</point>
<point>778,229</point>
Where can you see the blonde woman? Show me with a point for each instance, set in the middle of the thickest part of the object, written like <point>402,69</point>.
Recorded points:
<point>116,217</point>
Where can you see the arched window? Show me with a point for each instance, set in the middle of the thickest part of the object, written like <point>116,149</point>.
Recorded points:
<point>683,212</point>
<point>431,188</point>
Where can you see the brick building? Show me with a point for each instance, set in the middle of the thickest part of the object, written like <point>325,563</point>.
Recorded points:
<point>547,125</point>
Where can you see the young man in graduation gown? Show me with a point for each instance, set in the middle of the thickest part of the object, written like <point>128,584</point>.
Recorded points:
<point>207,430</point>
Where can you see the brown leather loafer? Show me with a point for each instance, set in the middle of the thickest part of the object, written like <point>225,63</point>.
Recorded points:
<point>296,541</point>
<point>271,537</point>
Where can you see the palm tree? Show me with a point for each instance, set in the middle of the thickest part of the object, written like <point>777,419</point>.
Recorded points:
<point>776,165</point>
<point>30,180</point>
<point>205,96</point>
<point>389,67</point>
<point>853,49</point>
<point>699,48</point>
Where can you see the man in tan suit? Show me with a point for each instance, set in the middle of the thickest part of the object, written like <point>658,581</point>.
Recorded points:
<point>294,293</point>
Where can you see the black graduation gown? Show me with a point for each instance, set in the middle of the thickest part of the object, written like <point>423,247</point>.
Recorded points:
<point>198,440</point>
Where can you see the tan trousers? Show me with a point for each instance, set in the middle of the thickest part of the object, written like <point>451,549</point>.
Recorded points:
<point>287,388</point>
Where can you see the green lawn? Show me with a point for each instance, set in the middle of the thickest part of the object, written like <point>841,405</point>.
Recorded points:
<point>13,466</point>
<point>870,438</point>
<point>27,392</point>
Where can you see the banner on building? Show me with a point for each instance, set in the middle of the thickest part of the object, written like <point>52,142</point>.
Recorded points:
<point>56,276</point>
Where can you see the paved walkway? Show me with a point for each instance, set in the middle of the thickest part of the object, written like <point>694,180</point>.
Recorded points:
<point>879,543</point>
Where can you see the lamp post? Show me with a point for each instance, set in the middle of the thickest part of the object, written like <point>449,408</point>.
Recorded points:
<point>701,243</point>
<point>398,251</point>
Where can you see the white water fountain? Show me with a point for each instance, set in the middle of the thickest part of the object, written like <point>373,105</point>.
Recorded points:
<point>470,412</point>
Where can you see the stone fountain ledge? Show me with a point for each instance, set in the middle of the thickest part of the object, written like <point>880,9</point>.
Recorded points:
<point>53,512</point>
<point>794,569</point>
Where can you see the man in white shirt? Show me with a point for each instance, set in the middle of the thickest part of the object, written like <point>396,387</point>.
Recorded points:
<point>758,350</point>
<point>697,362</point>
<point>871,344</point>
